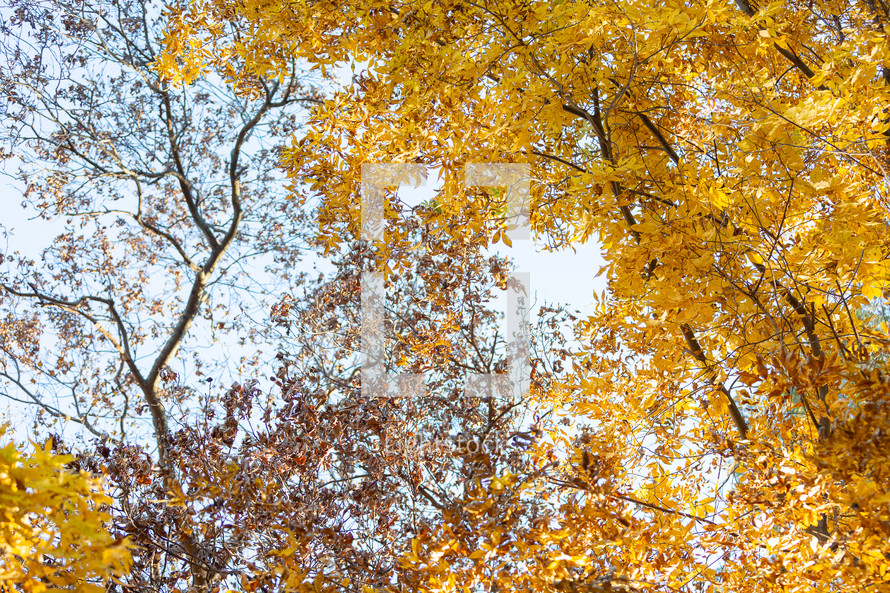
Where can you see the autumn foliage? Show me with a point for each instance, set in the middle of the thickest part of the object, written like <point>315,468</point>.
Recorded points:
<point>54,526</point>
<point>729,406</point>
<point>721,420</point>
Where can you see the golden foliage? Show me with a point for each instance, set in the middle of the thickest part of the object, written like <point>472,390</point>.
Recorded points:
<point>53,534</point>
<point>732,160</point>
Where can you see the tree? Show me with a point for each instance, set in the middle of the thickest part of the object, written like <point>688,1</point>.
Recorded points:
<point>316,485</point>
<point>732,161</point>
<point>161,195</point>
<point>311,485</point>
<point>160,198</point>
<point>54,528</point>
